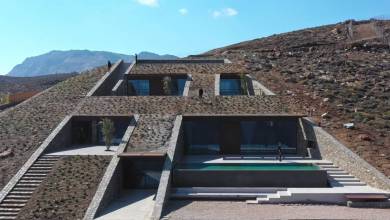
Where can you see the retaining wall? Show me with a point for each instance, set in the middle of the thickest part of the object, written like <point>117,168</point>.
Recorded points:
<point>105,85</point>
<point>331,149</point>
<point>110,184</point>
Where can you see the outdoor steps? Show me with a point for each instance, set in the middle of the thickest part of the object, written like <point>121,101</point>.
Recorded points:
<point>338,177</point>
<point>18,197</point>
<point>242,193</point>
<point>270,197</point>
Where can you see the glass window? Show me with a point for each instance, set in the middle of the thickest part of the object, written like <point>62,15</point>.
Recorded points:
<point>180,86</point>
<point>139,87</point>
<point>265,135</point>
<point>230,87</point>
<point>201,138</point>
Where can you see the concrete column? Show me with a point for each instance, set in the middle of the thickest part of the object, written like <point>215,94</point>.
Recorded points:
<point>94,132</point>
<point>216,83</point>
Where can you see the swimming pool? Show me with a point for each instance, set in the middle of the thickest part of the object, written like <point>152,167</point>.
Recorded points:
<point>249,166</point>
<point>249,175</point>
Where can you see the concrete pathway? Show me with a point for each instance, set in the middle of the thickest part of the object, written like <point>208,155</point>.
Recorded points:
<point>227,210</point>
<point>87,150</point>
<point>131,205</point>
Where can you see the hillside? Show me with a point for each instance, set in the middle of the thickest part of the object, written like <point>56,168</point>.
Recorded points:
<point>10,84</point>
<point>24,127</point>
<point>72,61</point>
<point>339,71</point>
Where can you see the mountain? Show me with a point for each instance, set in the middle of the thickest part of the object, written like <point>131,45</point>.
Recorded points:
<point>12,84</point>
<point>337,73</point>
<point>73,61</point>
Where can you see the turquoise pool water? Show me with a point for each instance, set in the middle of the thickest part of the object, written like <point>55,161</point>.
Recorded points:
<point>246,166</point>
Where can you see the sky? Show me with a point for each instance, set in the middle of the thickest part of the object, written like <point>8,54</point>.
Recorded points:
<point>179,27</point>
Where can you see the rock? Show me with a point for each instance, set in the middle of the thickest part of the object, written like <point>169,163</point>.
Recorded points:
<point>325,100</point>
<point>7,153</point>
<point>325,115</point>
<point>349,125</point>
<point>365,137</point>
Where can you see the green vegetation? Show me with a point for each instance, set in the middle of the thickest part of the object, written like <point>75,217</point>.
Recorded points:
<point>167,85</point>
<point>244,84</point>
<point>108,130</point>
<point>4,99</point>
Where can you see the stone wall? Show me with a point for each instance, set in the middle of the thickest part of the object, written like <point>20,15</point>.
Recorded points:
<point>62,138</point>
<point>331,149</point>
<point>166,177</point>
<point>202,81</point>
<point>111,182</point>
<point>106,84</point>
<point>187,68</point>
<point>121,105</point>
<point>24,127</point>
<point>151,133</point>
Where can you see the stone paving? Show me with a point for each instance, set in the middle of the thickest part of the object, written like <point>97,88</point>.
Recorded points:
<point>87,150</point>
<point>131,205</point>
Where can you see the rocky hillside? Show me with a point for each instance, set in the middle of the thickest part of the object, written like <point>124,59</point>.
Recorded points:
<point>10,84</point>
<point>73,61</point>
<point>338,73</point>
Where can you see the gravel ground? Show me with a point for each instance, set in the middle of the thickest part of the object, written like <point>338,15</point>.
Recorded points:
<point>199,210</point>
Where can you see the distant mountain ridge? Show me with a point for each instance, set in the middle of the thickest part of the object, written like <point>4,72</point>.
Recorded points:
<point>73,61</point>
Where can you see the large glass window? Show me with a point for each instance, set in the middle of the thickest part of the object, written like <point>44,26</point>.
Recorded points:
<point>180,86</point>
<point>201,138</point>
<point>230,87</point>
<point>240,136</point>
<point>139,87</point>
<point>265,135</point>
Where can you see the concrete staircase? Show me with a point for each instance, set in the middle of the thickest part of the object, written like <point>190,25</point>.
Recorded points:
<point>339,177</point>
<point>270,197</point>
<point>22,191</point>
<point>233,193</point>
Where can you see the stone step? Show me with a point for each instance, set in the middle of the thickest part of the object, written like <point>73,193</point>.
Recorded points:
<point>27,184</point>
<point>12,205</point>
<point>9,209</point>
<point>21,193</point>
<point>11,213</point>
<point>341,176</point>
<point>33,178</point>
<point>34,174</point>
<point>17,197</point>
<point>15,200</point>
<point>30,181</point>
<point>333,169</point>
<point>47,160</point>
<point>24,189</point>
<point>50,155</point>
<point>331,172</point>
<point>346,179</point>
<point>42,165</point>
<point>19,188</point>
<point>38,171</point>
<point>325,167</point>
<point>40,168</point>
<point>353,183</point>
<point>324,163</point>
<point>7,217</point>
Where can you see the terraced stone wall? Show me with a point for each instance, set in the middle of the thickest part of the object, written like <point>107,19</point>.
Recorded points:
<point>24,127</point>
<point>120,105</point>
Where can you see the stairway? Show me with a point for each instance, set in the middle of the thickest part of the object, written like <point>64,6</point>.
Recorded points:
<point>233,193</point>
<point>22,191</point>
<point>270,197</point>
<point>338,177</point>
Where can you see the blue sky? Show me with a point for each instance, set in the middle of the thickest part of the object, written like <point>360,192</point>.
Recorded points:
<point>179,27</point>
